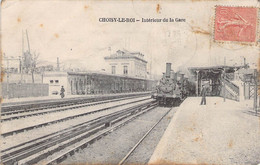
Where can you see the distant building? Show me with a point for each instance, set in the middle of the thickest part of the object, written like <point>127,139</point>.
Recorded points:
<point>44,68</point>
<point>83,83</point>
<point>55,81</point>
<point>127,63</point>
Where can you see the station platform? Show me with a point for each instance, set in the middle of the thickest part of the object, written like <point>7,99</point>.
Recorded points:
<point>27,100</point>
<point>217,133</point>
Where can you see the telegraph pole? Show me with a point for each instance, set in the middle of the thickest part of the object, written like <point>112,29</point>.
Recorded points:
<point>58,64</point>
<point>33,58</point>
<point>109,49</point>
<point>28,42</point>
<point>22,57</point>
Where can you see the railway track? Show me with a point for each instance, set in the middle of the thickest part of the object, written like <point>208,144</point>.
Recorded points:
<point>57,146</point>
<point>7,116</point>
<point>140,141</point>
<point>12,132</point>
<point>15,108</point>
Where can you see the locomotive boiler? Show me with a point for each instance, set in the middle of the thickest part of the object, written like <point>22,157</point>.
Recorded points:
<point>172,88</point>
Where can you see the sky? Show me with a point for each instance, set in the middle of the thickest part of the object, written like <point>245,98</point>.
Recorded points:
<point>71,31</point>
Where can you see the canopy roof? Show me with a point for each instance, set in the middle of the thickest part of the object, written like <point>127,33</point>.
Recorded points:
<point>216,69</point>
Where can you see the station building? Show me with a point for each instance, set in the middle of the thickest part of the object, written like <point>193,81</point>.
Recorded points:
<point>55,81</point>
<point>127,63</point>
<point>85,83</point>
<point>127,72</point>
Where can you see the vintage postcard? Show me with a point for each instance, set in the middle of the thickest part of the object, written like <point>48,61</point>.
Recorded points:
<point>130,82</point>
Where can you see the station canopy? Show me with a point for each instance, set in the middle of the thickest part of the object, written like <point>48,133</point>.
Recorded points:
<point>215,69</point>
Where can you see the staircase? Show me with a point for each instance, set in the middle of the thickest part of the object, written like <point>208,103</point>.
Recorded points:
<point>232,90</point>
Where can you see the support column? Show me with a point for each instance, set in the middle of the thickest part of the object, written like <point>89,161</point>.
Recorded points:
<point>197,85</point>
<point>255,90</point>
<point>224,86</point>
<point>224,79</point>
<point>242,92</point>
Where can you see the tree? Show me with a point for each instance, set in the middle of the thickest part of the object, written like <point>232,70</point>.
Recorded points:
<point>30,63</point>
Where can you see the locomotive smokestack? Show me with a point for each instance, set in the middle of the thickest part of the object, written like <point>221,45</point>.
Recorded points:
<point>182,77</point>
<point>172,74</point>
<point>163,75</point>
<point>176,76</point>
<point>168,70</point>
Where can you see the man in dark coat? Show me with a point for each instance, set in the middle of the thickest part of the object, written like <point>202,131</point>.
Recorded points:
<point>62,92</point>
<point>203,94</point>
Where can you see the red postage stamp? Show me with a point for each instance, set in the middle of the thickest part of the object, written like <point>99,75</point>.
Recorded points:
<point>235,24</point>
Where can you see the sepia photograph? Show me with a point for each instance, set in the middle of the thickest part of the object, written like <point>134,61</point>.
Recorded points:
<point>165,82</point>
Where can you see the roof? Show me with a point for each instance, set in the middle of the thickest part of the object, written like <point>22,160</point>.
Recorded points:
<point>246,71</point>
<point>105,74</point>
<point>64,74</point>
<point>55,74</point>
<point>125,54</point>
<point>215,68</point>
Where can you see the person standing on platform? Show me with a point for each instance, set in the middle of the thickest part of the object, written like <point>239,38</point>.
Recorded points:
<point>203,94</point>
<point>62,92</point>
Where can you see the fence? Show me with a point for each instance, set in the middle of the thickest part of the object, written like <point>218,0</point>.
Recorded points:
<point>14,90</point>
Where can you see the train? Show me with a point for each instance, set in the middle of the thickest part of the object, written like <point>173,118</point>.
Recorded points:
<point>173,88</point>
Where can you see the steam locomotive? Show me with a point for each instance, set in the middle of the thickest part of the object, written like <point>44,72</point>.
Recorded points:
<point>173,88</point>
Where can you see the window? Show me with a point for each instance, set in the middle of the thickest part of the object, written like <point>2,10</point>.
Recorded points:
<point>51,81</point>
<point>125,70</point>
<point>56,81</point>
<point>113,69</point>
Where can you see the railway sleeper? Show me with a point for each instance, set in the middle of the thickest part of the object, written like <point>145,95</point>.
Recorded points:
<point>113,117</point>
<point>101,134</point>
<point>50,151</point>
<point>47,105</point>
<point>37,114</point>
<point>100,127</point>
<point>53,107</point>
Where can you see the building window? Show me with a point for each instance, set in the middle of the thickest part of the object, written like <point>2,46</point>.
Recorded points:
<point>56,81</point>
<point>125,70</point>
<point>113,69</point>
<point>51,81</point>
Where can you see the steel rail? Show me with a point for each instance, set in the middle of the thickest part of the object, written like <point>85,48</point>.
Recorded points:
<point>54,104</point>
<point>61,102</point>
<point>84,124</point>
<point>22,153</point>
<point>54,110</point>
<point>140,141</point>
<point>64,119</point>
<point>70,152</point>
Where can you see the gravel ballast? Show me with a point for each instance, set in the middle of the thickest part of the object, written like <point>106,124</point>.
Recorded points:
<point>112,148</point>
<point>19,138</point>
